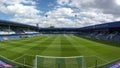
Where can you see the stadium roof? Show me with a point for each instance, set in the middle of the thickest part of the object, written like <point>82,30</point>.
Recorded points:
<point>99,26</point>
<point>3,22</point>
<point>106,25</point>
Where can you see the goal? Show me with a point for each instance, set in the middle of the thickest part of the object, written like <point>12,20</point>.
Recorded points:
<point>59,62</point>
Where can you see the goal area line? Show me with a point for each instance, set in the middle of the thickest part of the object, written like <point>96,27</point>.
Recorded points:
<point>59,57</point>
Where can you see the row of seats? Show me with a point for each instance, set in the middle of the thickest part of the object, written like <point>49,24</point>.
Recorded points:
<point>16,33</point>
<point>5,31</point>
<point>113,36</point>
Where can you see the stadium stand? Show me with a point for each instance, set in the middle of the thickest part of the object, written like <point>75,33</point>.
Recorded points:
<point>108,31</point>
<point>6,31</point>
<point>59,31</point>
<point>12,30</point>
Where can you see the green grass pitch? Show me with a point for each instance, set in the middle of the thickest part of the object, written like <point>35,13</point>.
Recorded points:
<point>59,46</point>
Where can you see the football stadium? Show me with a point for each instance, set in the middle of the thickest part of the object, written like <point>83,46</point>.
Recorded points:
<point>59,33</point>
<point>33,47</point>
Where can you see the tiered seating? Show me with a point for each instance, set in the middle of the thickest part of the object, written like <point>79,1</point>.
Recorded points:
<point>114,36</point>
<point>19,31</point>
<point>5,31</point>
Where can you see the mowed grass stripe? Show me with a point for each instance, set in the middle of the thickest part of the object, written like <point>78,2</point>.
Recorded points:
<point>15,44</point>
<point>80,47</point>
<point>26,47</point>
<point>20,48</point>
<point>93,48</point>
<point>31,53</point>
<point>59,46</point>
<point>67,48</point>
<point>40,47</point>
<point>89,51</point>
<point>13,52</point>
<point>30,48</point>
<point>10,54</point>
<point>85,47</point>
<point>29,60</point>
<point>77,61</point>
<point>21,42</point>
<point>53,48</point>
<point>104,50</point>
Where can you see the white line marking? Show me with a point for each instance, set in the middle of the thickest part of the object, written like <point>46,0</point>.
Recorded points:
<point>59,57</point>
<point>15,61</point>
<point>101,58</point>
<point>18,57</point>
<point>109,62</point>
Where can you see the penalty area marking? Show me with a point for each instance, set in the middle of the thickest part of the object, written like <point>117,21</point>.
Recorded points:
<point>109,62</point>
<point>14,61</point>
<point>18,57</point>
<point>101,58</point>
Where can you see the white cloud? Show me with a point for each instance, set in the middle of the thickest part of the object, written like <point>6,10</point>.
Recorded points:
<point>18,9</point>
<point>89,12</point>
<point>60,12</point>
<point>22,13</point>
<point>59,17</point>
<point>11,2</point>
<point>25,11</point>
<point>81,3</point>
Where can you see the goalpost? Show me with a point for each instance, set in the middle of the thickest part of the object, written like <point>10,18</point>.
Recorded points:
<point>59,62</point>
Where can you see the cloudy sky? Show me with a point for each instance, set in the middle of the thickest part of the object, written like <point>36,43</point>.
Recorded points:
<point>60,13</point>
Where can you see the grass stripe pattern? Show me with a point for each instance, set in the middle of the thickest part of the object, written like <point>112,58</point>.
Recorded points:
<point>60,46</point>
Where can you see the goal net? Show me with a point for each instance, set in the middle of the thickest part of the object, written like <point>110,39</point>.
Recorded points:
<point>59,62</point>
